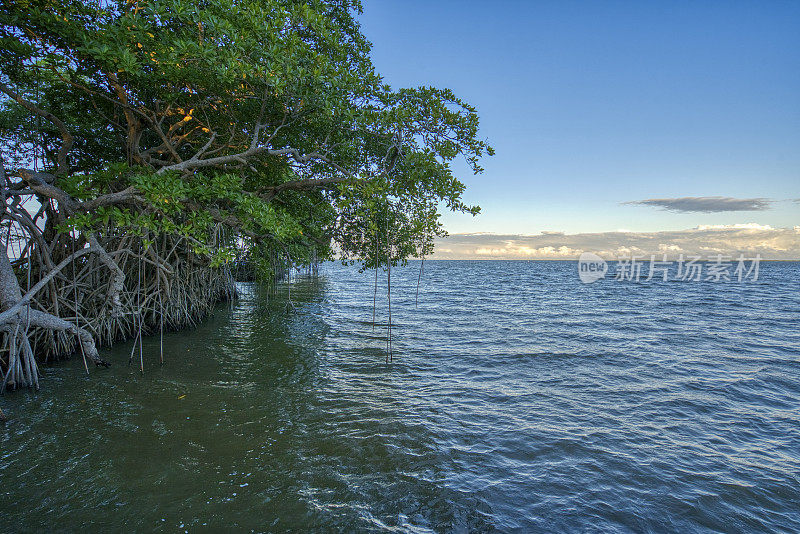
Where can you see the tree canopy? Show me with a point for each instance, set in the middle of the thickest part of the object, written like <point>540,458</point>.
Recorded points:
<point>266,115</point>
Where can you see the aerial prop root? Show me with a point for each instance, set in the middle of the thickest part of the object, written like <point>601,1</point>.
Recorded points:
<point>83,302</point>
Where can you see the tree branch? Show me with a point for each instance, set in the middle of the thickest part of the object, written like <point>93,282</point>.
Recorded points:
<point>66,137</point>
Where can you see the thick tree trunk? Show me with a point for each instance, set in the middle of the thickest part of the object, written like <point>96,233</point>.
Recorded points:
<point>17,320</point>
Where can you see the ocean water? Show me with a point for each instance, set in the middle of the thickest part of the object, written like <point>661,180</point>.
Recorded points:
<point>517,400</point>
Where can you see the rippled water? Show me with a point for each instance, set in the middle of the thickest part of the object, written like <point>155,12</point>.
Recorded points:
<point>518,399</point>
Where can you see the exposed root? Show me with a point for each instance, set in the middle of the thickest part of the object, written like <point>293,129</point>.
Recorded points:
<point>93,290</point>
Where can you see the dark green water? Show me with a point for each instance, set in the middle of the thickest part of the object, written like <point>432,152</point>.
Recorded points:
<point>213,438</point>
<point>519,400</point>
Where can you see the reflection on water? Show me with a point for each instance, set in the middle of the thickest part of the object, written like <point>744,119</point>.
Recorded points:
<point>519,399</point>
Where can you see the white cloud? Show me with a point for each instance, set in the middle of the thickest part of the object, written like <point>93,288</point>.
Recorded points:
<point>747,238</point>
<point>741,226</point>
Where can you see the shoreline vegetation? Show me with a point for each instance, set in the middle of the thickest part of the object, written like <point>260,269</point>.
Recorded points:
<point>149,149</point>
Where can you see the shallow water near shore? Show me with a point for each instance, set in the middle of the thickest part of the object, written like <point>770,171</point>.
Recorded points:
<point>518,399</point>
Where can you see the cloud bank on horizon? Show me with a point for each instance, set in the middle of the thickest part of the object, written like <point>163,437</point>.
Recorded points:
<point>705,204</point>
<point>748,239</point>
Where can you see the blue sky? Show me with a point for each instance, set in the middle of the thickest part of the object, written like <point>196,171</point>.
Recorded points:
<point>593,104</point>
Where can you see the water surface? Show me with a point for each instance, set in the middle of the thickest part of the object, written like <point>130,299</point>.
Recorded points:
<point>518,399</point>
